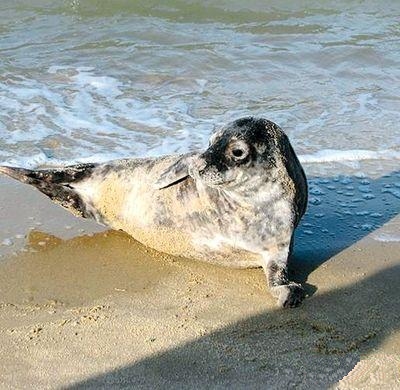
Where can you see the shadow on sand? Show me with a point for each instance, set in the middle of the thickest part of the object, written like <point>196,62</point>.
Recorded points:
<point>313,346</point>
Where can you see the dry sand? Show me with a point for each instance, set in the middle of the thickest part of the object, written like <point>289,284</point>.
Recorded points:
<point>81,307</point>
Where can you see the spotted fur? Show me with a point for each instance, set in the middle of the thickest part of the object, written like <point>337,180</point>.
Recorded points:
<point>236,204</point>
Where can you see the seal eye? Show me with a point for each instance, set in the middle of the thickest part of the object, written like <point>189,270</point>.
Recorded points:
<point>237,153</point>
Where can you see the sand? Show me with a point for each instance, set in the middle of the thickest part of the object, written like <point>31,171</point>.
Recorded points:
<point>84,307</point>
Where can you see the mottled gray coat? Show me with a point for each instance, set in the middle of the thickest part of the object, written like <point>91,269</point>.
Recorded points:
<point>236,204</point>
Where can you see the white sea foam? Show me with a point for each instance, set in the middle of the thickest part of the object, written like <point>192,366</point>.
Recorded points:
<point>42,160</point>
<point>75,115</point>
<point>78,114</point>
<point>386,237</point>
<point>333,155</point>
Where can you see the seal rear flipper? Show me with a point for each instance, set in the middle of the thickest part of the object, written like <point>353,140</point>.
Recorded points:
<point>56,184</point>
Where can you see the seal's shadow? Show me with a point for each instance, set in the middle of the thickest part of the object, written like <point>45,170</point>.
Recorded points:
<point>341,211</point>
<point>313,346</point>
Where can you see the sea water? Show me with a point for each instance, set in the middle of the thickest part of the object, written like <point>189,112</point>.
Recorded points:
<point>95,80</point>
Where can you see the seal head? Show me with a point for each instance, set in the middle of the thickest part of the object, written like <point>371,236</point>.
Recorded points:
<point>235,151</point>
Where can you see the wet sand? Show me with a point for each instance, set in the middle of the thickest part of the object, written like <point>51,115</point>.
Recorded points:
<point>83,307</point>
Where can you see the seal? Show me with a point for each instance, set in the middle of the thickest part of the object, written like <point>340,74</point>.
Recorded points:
<point>236,204</point>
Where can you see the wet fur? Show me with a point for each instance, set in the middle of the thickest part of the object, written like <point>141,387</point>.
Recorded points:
<point>213,206</point>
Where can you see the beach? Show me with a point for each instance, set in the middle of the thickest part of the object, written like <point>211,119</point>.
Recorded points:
<point>85,307</point>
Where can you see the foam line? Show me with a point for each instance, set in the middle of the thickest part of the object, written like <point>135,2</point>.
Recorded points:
<point>332,155</point>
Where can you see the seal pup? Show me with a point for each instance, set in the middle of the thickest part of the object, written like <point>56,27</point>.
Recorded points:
<point>236,204</point>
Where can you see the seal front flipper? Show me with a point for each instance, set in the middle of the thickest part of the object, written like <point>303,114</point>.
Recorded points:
<point>175,173</point>
<point>57,184</point>
<point>275,264</point>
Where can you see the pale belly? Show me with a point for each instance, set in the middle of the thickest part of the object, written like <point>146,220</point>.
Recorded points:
<point>194,246</point>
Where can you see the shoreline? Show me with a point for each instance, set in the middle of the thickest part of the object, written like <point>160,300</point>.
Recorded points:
<point>84,307</point>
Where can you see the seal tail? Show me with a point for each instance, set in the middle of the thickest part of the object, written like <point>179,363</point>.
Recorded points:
<point>57,184</point>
